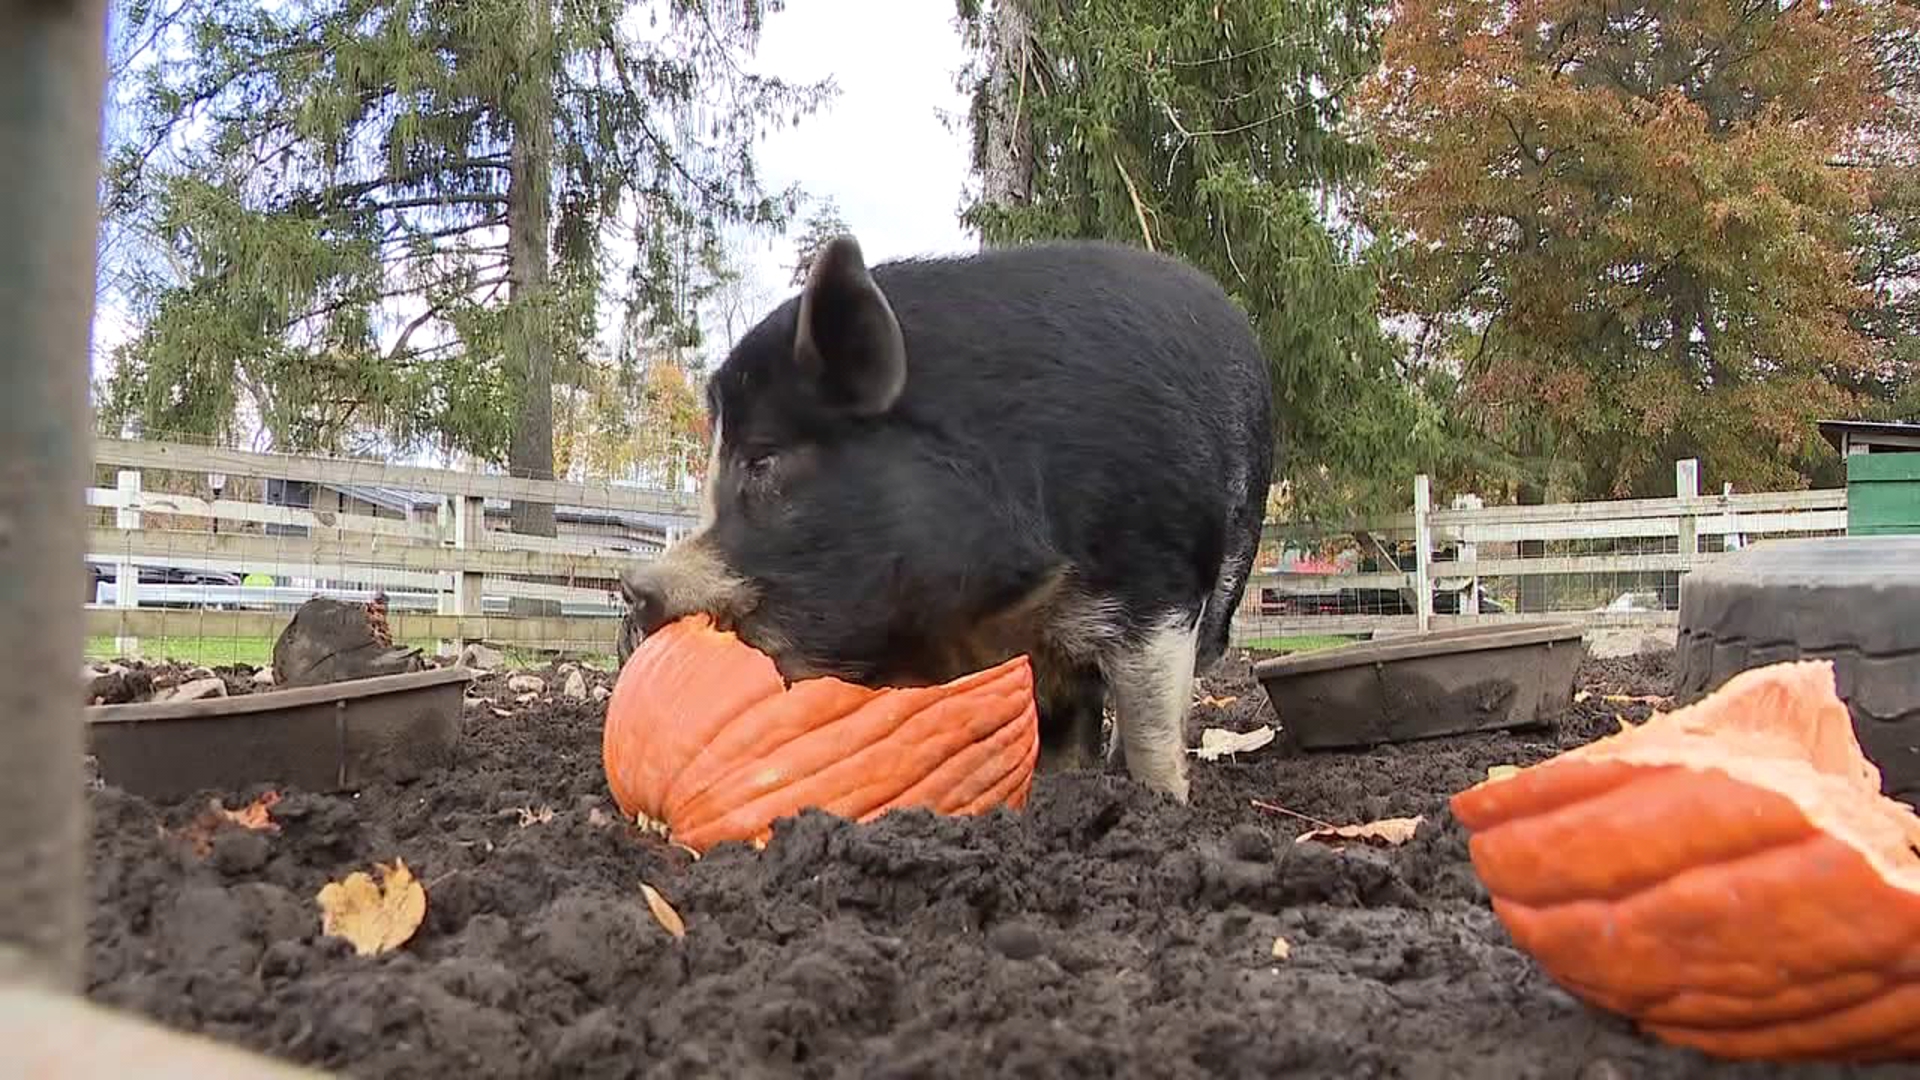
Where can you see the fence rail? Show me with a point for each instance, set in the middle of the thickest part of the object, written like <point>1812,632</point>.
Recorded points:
<point>187,562</point>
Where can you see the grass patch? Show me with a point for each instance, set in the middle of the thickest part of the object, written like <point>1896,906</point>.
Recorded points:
<point>1298,643</point>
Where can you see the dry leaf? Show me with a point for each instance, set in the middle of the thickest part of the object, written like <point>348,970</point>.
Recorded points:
<point>255,815</point>
<point>1211,702</point>
<point>663,912</point>
<point>530,816</point>
<point>1387,832</point>
<point>1281,950</point>
<point>1631,699</point>
<point>1216,743</point>
<point>375,918</point>
<point>1501,772</point>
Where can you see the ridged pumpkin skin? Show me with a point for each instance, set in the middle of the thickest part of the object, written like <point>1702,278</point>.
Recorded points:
<point>703,736</point>
<point>1728,875</point>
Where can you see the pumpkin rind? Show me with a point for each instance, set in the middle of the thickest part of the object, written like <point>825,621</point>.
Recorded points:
<point>1729,875</point>
<point>703,736</point>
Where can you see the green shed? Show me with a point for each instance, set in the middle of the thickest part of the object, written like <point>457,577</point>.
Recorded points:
<point>1883,475</point>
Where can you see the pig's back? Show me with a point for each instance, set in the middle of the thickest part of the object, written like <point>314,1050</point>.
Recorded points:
<point>1120,395</point>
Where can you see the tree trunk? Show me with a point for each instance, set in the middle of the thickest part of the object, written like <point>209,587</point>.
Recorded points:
<point>1008,168</point>
<point>529,338</point>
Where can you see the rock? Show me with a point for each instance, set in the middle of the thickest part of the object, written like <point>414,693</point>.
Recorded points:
<point>113,684</point>
<point>576,687</point>
<point>330,641</point>
<point>527,699</point>
<point>601,693</point>
<point>198,690</point>
<point>1620,644</point>
<point>263,677</point>
<point>527,684</point>
<point>199,673</point>
<point>481,658</point>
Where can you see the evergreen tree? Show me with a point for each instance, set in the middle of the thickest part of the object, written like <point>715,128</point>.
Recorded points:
<point>389,221</point>
<point>1217,130</point>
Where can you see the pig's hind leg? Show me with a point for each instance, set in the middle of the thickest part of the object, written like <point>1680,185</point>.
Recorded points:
<point>1152,681</point>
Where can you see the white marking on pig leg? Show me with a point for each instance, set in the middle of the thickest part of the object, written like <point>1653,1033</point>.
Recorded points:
<point>1153,687</point>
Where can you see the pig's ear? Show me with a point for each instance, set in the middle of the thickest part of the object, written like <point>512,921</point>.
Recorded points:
<point>848,340</point>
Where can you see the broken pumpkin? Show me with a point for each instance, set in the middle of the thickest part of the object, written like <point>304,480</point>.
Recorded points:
<point>704,739</point>
<point>1729,875</point>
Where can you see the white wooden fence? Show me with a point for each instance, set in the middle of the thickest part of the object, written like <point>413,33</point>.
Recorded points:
<point>451,579</point>
<point>448,579</point>
<point>1629,554</point>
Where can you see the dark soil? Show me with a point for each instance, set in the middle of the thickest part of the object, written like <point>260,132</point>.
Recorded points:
<point>1102,932</point>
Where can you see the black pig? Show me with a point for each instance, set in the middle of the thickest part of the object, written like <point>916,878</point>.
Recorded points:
<point>922,470</point>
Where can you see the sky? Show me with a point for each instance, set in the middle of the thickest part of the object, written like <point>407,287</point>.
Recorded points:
<point>879,148</point>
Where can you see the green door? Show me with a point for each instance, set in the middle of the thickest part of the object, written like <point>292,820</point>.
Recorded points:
<point>1883,494</point>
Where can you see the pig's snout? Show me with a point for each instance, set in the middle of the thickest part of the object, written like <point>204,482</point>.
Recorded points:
<point>690,579</point>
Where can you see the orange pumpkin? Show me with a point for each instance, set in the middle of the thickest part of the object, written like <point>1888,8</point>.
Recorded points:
<point>1728,875</point>
<point>705,739</point>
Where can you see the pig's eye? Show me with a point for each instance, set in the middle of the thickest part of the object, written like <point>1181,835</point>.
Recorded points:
<point>759,465</point>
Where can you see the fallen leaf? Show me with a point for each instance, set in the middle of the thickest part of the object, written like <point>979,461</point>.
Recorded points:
<point>663,912</point>
<point>198,833</point>
<point>1630,699</point>
<point>374,918</point>
<point>1216,743</point>
<point>1387,832</point>
<point>1501,772</point>
<point>1281,950</point>
<point>530,816</point>
<point>1211,702</point>
<point>255,814</point>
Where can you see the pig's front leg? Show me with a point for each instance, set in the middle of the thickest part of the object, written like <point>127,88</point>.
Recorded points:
<point>1152,683</point>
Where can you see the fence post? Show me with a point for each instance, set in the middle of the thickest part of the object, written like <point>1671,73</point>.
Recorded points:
<point>1686,485</point>
<point>462,524</point>
<point>1423,551</point>
<point>126,576</point>
<point>1469,552</point>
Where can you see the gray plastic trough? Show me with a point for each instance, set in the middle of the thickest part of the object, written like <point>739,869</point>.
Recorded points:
<point>1450,682</point>
<point>335,737</point>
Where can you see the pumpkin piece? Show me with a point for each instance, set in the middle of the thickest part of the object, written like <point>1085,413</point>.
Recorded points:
<point>1728,874</point>
<point>704,737</point>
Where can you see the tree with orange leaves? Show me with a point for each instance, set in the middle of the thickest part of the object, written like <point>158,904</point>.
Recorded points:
<point>1633,229</point>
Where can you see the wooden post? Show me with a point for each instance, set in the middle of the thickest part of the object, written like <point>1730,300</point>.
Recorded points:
<point>468,520</point>
<point>1686,485</point>
<point>1469,552</point>
<point>126,576</point>
<point>1423,551</point>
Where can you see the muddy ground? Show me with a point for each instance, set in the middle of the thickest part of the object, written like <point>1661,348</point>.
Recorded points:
<point>1103,932</point>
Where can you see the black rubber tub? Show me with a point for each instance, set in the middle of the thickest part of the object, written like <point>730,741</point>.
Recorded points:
<point>1448,682</point>
<point>329,738</point>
